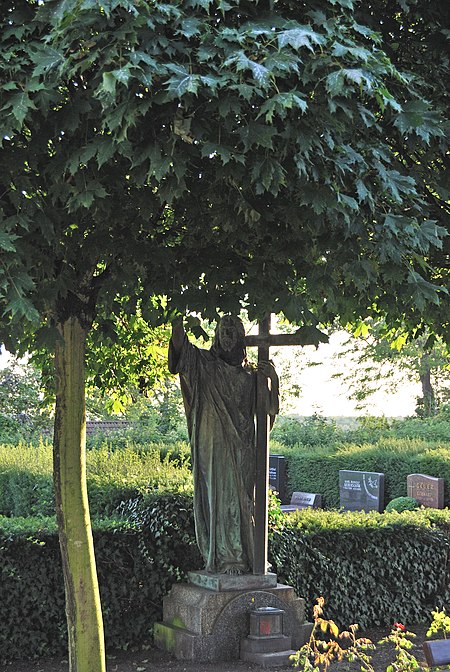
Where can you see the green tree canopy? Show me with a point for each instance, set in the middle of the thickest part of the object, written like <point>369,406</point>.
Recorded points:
<point>173,142</point>
<point>218,153</point>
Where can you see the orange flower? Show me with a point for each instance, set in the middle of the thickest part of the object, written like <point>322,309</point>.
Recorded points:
<point>400,626</point>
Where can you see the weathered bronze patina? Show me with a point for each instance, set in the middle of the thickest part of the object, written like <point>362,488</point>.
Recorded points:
<point>219,392</point>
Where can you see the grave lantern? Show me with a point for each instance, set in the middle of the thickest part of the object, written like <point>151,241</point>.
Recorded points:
<point>266,622</point>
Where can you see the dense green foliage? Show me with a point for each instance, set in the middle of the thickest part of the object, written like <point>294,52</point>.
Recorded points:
<point>371,568</point>
<point>23,415</point>
<point>203,144</point>
<point>114,476</point>
<point>320,431</point>
<point>400,504</point>
<point>399,560</point>
<point>128,464</point>
<point>136,566</point>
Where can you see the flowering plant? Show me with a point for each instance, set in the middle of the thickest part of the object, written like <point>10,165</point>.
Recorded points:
<point>404,660</point>
<point>440,624</point>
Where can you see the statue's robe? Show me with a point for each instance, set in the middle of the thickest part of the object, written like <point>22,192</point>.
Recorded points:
<point>220,402</point>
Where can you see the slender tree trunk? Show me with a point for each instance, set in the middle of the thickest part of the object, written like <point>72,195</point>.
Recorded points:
<point>429,400</point>
<point>83,608</point>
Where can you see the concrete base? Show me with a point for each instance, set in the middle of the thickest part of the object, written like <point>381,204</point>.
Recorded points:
<point>251,645</point>
<point>207,625</point>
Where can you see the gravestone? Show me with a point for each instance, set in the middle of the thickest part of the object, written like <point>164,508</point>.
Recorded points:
<point>427,490</point>
<point>437,652</point>
<point>277,475</point>
<point>303,500</point>
<point>361,490</point>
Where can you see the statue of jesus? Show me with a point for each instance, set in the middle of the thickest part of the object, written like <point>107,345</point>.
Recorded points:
<point>219,393</point>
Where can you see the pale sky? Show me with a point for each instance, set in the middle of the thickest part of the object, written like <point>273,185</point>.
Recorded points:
<point>325,395</point>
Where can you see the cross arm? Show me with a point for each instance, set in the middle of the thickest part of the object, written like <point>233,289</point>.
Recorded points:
<point>274,340</point>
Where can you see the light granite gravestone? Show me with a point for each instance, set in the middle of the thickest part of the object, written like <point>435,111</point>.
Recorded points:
<point>427,490</point>
<point>361,490</point>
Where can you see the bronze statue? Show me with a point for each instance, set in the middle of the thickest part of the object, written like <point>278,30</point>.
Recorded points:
<point>219,393</point>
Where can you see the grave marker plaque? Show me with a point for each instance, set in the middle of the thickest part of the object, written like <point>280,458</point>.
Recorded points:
<point>437,652</point>
<point>277,475</point>
<point>361,490</point>
<point>303,500</point>
<point>428,490</point>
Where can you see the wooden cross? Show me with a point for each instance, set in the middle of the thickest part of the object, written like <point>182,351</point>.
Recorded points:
<point>264,340</point>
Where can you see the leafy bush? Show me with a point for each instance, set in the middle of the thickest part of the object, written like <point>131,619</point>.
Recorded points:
<point>24,415</point>
<point>119,475</point>
<point>312,431</point>
<point>319,431</point>
<point>400,504</point>
<point>26,484</point>
<point>151,428</point>
<point>137,561</point>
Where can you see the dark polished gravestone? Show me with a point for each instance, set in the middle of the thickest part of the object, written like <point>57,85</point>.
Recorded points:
<point>361,490</point>
<point>427,490</point>
<point>278,476</point>
<point>437,652</point>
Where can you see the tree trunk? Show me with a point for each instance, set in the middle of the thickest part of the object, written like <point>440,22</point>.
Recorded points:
<point>428,397</point>
<point>83,608</point>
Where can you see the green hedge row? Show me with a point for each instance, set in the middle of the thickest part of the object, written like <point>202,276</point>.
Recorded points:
<point>116,475</point>
<point>317,430</point>
<point>136,564</point>
<point>113,476</point>
<point>372,569</point>
<point>317,469</point>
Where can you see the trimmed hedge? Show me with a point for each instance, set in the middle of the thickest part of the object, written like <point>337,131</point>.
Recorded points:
<point>317,469</point>
<point>372,569</point>
<point>136,565</point>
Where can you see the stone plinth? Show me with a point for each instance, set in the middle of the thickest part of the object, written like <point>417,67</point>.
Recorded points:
<point>208,624</point>
<point>219,582</point>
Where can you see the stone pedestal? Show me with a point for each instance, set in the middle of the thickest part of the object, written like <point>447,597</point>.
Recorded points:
<point>208,623</point>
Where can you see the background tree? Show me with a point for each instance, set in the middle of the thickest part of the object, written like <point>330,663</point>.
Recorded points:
<point>221,154</point>
<point>384,358</point>
<point>24,413</point>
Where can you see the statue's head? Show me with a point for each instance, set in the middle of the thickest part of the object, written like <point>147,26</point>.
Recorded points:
<point>229,340</point>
